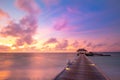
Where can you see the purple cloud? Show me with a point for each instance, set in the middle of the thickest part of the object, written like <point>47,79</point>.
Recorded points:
<point>51,40</point>
<point>26,28</point>
<point>63,45</point>
<point>75,44</point>
<point>60,24</point>
<point>28,6</point>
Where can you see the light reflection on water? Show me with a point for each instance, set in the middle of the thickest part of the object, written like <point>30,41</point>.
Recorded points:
<point>4,74</point>
<point>32,66</point>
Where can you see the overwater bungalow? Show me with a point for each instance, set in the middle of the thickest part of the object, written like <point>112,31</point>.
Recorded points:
<point>84,51</point>
<point>81,51</point>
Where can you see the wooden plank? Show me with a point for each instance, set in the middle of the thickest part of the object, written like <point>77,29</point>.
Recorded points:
<point>81,69</point>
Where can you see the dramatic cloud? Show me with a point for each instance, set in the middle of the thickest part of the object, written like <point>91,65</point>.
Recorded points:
<point>63,45</point>
<point>26,28</point>
<point>60,24</point>
<point>51,40</point>
<point>3,14</point>
<point>12,29</point>
<point>60,45</point>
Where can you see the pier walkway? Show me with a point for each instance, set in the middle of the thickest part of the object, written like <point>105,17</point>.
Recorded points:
<point>81,69</point>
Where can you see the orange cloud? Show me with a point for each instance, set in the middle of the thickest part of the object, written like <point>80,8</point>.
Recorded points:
<point>4,48</point>
<point>3,14</point>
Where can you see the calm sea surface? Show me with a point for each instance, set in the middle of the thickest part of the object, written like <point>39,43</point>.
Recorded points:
<point>32,66</point>
<point>110,65</point>
<point>45,66</point>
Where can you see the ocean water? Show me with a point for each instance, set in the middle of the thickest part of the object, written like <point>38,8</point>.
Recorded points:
<point>32,66</point>
<point>110,65</point>
<point>46,66</point>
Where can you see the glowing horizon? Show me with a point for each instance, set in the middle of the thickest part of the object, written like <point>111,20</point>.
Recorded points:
<point>59,25</point>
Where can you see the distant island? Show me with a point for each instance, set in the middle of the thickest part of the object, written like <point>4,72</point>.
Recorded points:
<point>84,51</point>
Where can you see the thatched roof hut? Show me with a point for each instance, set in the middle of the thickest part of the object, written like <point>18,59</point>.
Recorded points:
<point>82,51</point>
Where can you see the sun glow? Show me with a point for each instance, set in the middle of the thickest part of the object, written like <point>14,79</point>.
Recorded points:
<point>4,74</point>
<point>44,26</point>
<point>21,46</point>
<point>13,48</point>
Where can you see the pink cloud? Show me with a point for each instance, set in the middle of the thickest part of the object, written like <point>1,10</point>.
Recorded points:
<point>75,44</point>
<point>4,18</point>
<point>3,14</point>
<point>114,47</point>
<point>63,45</point>
<point>51,40</point>
<point>60,24</point>
<point>64,23</point>
<point>28,6</point>
<point>16,30</point>
<point>95,46</point>
<point>49,3</point>
<point>27,26</point>
<point>59,45</point>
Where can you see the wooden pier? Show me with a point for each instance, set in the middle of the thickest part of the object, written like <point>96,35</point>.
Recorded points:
<point>81,69</point>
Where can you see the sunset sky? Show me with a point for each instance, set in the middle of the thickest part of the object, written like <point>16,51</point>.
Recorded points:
<point>59,25</point>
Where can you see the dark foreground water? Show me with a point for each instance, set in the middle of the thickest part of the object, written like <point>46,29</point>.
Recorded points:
<point>35,66</point>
